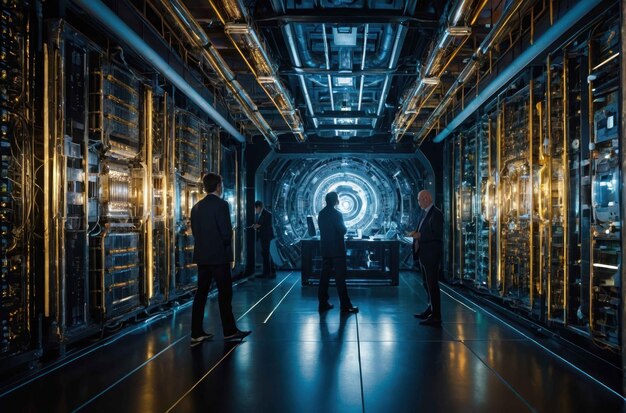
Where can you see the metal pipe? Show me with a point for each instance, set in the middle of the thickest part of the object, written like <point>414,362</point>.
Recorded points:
<point>148,195</point>
<point>365,33</point>
<point>385,48</point>
<point>297,63</point>
<point>307,56</point>
<point>104,15</point>
<point>165,192</point>
<point>327,58</point>
<point>392,62</point>
<point>179,12</point>
<point>46,180</point>
<point>219,66</point>
<point>559,28</point>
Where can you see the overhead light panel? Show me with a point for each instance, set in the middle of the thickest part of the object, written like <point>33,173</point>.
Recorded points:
<point>251,48</point>
<point>459,31</point>
<point>231,11</point>
<point>342,81</point>
<point>430,81</point>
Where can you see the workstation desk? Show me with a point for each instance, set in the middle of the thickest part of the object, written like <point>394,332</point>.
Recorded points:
<point>369,261</point>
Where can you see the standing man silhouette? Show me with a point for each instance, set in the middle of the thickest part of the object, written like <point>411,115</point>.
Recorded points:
<point>213,252</point>
<point>428,249</point>
<point>264,234</point>
<point>333,248</point>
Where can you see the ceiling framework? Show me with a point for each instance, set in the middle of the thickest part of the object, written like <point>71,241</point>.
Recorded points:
<point>355,71</point>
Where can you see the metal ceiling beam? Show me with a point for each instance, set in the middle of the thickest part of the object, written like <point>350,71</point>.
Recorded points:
<point>346,127</point>
<point>347,16</point>
<point>367,72</point>
<point>344,114</point>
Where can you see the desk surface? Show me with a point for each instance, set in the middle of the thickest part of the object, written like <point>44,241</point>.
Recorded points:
<point>355,240</point>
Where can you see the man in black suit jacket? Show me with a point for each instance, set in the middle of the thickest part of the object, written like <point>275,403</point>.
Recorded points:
<point>333,248</point>
<point>428,249</point>
<point>264,234</point>
<point>213,253</point>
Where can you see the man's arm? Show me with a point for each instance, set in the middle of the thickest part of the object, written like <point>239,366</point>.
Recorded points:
<point>223,223</point>
<point>341,226</point>
<point>437,224</point>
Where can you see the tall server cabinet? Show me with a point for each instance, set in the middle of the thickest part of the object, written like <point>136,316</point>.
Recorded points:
<point>535,180</point>
<point>17,153</point>
<point>101,161</point>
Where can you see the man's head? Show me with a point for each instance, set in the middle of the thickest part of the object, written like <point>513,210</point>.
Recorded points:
<point>212,183</point>
<point>258,207</point>
<point>332,199</point>
<point>424,199</point>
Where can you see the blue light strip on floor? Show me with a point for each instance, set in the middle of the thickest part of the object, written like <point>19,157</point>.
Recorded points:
<point>584,373</point>
<point>358,343</point>
<point>118,381</point>
<point>79,356</point>
<point>202,378</point>
<point>262,298</point>
<point>99,346</point>
<point>281,300</point>
<point>471,309</point>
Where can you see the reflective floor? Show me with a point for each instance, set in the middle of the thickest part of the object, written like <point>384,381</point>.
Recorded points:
<point>296,360</point>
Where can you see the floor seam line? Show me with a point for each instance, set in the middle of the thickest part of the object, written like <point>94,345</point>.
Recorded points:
<point>203,377</point>
<point>130,373</point>
<point>263,298</point>
<point>281,300</point>
<point>358,344</point>
<point>547,350</point>
<point>502,379</point>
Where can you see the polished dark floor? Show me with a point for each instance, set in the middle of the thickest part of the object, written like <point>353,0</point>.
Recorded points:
<point>296,360</point>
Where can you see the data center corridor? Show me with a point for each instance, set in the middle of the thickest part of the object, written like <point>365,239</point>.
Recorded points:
<point>297,360</point>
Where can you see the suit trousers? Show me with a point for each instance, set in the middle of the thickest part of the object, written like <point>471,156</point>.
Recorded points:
<point>418,266</point>
<point>268,267</point>
<point>221,274</point>
<point>338,267</point>
<point>430,270</point>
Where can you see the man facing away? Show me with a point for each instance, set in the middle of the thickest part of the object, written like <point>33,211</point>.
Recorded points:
<point>213,253</point>
<point>333,248</point>
<point>265,234</point>
<point>428,249</point>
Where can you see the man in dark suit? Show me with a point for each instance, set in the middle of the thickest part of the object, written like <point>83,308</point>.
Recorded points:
<point>428,250</point>
<point>213,253</point>
<point>333,248</point>
<point>264,234</point>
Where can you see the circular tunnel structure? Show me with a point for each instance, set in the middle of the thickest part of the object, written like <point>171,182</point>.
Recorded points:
<point>377,195</point>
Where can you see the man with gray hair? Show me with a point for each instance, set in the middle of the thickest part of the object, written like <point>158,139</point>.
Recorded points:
<point>428,250</point>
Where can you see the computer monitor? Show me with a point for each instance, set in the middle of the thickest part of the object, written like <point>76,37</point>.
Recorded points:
<point>310,226</point>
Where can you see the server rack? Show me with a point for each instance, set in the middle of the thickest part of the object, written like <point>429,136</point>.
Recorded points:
<point>536,208</point>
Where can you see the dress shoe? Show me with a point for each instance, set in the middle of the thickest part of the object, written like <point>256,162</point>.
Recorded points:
<point>195,340</point>
<point>423,315</point>
<point>352,310</point>
<point>431,321</point>
<point>237,335</point>
<point>325,307</point>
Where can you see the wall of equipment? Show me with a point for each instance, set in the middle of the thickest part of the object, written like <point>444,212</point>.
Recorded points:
<point>100,166</point>
<point>377,196</point>
<point>533,193</point>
